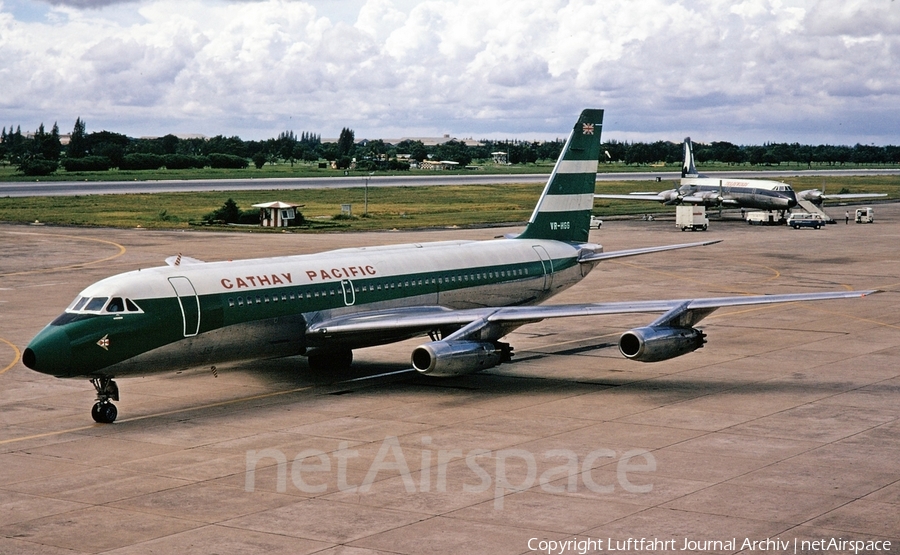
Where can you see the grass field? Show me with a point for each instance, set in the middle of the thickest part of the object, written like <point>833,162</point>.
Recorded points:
<point>388,208</point>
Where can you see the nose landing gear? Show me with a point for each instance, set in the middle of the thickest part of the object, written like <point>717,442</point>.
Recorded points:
<point>104,411</point>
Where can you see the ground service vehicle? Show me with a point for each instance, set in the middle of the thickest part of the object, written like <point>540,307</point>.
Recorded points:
<point>691,216</point>
<point>865,216</point>
<point>805,219</point>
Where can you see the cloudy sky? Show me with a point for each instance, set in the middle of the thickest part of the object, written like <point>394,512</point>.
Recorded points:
<point>812,71</point>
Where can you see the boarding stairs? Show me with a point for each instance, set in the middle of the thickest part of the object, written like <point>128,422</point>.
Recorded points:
<point>813,209</point>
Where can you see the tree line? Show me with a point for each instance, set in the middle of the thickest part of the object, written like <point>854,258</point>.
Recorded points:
<point>42,153</point>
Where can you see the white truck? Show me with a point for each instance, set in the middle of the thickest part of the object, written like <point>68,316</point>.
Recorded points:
<point>763,217</point>
<point>865,216</point>
<point>689,216</point>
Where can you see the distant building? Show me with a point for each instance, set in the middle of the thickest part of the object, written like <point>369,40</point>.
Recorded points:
<point>276,214</point>
<point>438,165</point>
<point>427,141</point>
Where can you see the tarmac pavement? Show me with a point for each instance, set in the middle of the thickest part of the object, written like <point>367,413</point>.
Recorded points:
<point>783,429</point>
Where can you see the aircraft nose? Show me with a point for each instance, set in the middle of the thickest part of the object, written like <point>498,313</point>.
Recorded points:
<point>50,352</point>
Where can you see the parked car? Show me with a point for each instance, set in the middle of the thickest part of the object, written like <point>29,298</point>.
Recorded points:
<point>596,222</point>
<point>804,219</point>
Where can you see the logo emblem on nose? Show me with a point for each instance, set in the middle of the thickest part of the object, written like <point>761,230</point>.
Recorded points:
<point>104,342</point>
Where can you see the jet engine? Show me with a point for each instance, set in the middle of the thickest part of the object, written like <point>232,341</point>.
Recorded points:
<point>455,358</point>
<point>655,343</point>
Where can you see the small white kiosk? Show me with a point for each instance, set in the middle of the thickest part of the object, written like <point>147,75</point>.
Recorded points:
<point>276,214</point>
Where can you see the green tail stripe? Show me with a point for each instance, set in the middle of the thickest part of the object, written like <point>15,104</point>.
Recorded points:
<point>563,212</point>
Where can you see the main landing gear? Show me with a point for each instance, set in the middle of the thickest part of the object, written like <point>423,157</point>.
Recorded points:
<point>104,411</point>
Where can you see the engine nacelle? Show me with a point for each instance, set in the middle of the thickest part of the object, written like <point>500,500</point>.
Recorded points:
<point>652,344</point>
<point>455,358</point>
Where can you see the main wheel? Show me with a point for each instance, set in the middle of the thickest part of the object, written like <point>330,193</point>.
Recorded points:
<point>104,413</point>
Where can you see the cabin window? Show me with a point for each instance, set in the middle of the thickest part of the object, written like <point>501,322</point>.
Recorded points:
<point>230,302</point>
<point>116,305</point>
<point>258,300</point>
<point>240,301</point>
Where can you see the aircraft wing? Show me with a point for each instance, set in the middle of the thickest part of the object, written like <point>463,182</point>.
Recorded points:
<point>816,196</point>
<point>681,312</point>
<point>854,195</point>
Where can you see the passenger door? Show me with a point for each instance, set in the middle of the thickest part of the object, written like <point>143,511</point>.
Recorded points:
<point>189,303</point>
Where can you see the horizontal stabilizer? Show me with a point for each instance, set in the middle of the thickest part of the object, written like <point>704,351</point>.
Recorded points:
<point>594,257</point>
<point>633,196</point>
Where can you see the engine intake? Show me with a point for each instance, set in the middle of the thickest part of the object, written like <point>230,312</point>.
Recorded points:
<point>653,344</point>
<point>455,358</point>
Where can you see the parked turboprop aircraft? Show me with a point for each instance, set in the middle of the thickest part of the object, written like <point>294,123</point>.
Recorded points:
<point>758,194</point>
<point>467,295</point>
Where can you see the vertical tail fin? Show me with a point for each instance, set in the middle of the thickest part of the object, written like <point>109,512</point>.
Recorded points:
<point>563,212</point>
<point>687,167</point>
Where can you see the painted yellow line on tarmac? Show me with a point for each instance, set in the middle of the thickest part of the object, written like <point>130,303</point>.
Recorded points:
<point>156,415</point>
<point>15,358</point>
<point>70,266</point>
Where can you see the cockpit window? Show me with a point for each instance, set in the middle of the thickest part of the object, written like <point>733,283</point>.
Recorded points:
<point>99,304</point>
<point>96,304</point>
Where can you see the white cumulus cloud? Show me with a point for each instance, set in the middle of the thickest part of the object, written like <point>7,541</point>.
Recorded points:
<point>758,70</point>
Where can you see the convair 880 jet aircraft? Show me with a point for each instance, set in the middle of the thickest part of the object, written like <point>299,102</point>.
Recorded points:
<point>466,295</point>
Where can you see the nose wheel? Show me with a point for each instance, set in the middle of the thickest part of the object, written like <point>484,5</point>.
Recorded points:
<point>104,411</point>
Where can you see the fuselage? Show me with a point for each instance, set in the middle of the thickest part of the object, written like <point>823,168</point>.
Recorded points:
<point>172,317</point>
<point>745,193</point>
